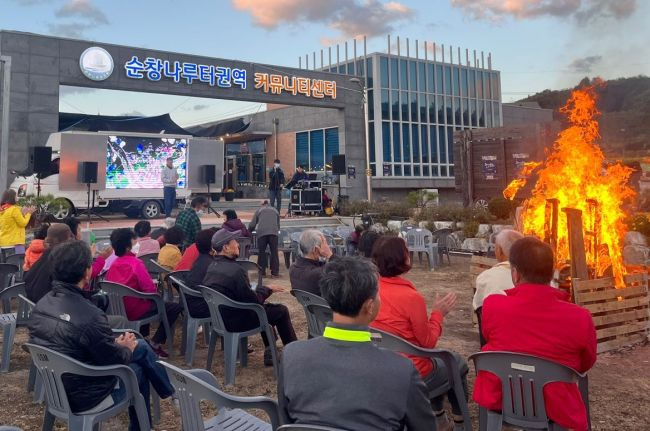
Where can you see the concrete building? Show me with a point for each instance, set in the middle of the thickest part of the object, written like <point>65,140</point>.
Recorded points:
<point>520,113</point>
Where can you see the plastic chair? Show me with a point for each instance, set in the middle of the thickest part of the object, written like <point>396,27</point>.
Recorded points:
<point>18,260</point>
<point>284,245</point>
<point>252,267</point>
<point>245,245</point>
<point>234,341</point>
<point>12,292</point>
<point>306,299</point>
<point>161,272</point>
<point>421,241</point>
<point>304,427</point>
<point>52,366</point>
<point>188,344</point>
<point>441,237</point>
<point>9,321</point>
<point>154,270</point>
<point>523,378</point>
<point>194,386</point>
<point>396,344</point>
<point>295,245</point>
<point>117,292</point>
<point>7,271</point>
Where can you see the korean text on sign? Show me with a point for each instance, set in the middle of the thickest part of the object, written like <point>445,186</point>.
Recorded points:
<point>276,84</point>
<point>154,69</point>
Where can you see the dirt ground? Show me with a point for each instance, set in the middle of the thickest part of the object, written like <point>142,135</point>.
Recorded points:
<point>619,384</point>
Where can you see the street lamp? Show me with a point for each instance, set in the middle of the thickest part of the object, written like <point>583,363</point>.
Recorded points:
<point>364,90</point>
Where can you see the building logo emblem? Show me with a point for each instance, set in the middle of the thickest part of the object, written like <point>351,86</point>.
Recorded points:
<point>96,63</point>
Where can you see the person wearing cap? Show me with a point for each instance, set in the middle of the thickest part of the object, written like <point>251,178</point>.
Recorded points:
<point>229,278</point>
<point>276,181</point>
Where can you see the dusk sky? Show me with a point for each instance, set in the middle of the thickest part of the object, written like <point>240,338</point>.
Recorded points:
<point>536,44</point>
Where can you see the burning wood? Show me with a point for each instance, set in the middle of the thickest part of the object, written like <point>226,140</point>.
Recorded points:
<point>575,175</point>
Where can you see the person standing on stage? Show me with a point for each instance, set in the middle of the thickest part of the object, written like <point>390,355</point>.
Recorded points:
<point>276,181</point>
<point>169,178</point>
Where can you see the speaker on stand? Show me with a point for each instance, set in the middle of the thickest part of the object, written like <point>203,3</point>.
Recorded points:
<point>209,176</point>
<point>40,162</point>
<point>338,168</point>
<point>87,174</point>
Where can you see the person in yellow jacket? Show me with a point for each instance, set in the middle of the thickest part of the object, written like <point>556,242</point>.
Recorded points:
<point>13,220</point>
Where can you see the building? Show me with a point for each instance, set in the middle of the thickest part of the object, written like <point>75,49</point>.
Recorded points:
<point>520,113</point>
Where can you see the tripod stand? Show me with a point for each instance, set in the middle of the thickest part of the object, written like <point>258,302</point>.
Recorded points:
<point>89,208</point>
<point>210,201</point>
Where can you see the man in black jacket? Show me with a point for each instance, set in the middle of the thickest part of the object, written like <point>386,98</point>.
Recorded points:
<point>276,181</point>
<point>64,321</point>
<point>226,276</point>
<point>194,278</point>
<point>307,271</point>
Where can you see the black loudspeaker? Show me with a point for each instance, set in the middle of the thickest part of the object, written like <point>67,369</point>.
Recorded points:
<point>209,174</point>
<point>40,159</point>
<point>338,164</point>
<point>87,172</point>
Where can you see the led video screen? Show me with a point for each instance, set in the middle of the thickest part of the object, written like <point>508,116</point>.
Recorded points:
<point>135,162</point>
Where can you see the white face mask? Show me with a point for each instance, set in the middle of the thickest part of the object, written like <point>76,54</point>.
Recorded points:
<point>276,165</point>
<point>200,213</point>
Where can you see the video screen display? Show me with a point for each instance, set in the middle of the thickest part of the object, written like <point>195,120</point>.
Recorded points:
<point>135,162</point>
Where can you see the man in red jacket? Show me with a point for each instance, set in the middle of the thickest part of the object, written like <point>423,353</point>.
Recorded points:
<point>536,319</point>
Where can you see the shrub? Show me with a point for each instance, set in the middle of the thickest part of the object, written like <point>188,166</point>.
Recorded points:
<point>420,198</point>
<point>381,211</point>
<point>500,208</point>
<point>470,229</point>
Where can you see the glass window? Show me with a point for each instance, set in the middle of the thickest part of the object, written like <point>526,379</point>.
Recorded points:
<point>371,105</point>
<point>394,99</point>
<point>447,80</point>
<point>487,91</point>
<point>414,107</point>
<point>497,114</point>
<point>488,114</point>
<point>472,111</point>
<point>403,74</point>
<point>342,70</point>
<point>432,108</point>
<point>302,148</point>
<point>416,170</point>
<point>430,79</point>
<point>451,171</point>
<point>434,144</point>
<point>351,68</point>
<point>407,170</point>
<point>385,139</point>
<point>439,78</point>
<point>422,103</point>
<point>422,77</point>
<point>471,83</point>
<point>495,86</point>
<point>443,171</point>
<point>450,144</point>
<point>465,108</point>
<point>424,132</point>
<point>454,72</point>
<point>397,150</point>
<point>413,75</point>
<point>463,81</point>
<point>384,105</point>
<point>481,113</point>
<point>371,141</point>
<point>370,73</point>
<point>434,171</point>
<point>479,84</point>
<point>404,99</point>
<point>394,73</point>
<point>457,111</point>
<point>332,144</point>
<point>425,171</point>
<point>449,110</point>
<point>441,109</point>
<point>316,150</point>
<point>442,138</point>
<point>415,141</point>
<point>361,71</point>
<point>398,170</point>
<point>383,71</point>
<point>406,142</point>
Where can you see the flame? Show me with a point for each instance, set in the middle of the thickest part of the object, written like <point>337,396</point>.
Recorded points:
<point>574,173</point>
<point>516,184</point>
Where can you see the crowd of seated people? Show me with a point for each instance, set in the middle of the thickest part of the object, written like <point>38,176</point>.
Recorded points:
<point>371,291</point>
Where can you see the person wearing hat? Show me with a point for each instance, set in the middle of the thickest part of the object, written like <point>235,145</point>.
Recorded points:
<point>276,182</point>
<point>229,278</point>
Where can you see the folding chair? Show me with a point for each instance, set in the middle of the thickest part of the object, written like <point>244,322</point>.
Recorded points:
<point>234,341</point>
<point>52,366</point>
<point>307,300</point>
<point>399,345</point>
<point>194,386</point>
<point>117,292</point>
<point>523,378</point>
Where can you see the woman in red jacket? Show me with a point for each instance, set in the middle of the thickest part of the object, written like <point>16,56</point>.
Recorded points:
<point>403,312</point>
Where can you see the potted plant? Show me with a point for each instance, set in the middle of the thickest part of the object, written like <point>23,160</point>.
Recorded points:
<point>229,194</point>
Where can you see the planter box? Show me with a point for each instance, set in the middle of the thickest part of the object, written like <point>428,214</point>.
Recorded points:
<point>229,196</point>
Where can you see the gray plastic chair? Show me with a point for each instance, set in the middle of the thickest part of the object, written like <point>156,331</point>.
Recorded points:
<point>12,292</point>
<point>7,272</point>
<point>421,241</point>
<point>304,427</point>
<point>322,314</point>
<point>52,365</point>
<point>161,272</point>
<point>306,299</point>
<point>117,292</point>
<point>441,237</point>
<point>188,344</point>
<point>523,378</point>
<point>245,245</point>
<point>33,380</point>
<point>295,245</point>
<point>153,270</point>
<point>194,386</point>
<point>284,246</point>
<point>18,260</point>
<point>396,344</point>
<point>8,324</point>
<point>250,266</point>
<point>235,341</point>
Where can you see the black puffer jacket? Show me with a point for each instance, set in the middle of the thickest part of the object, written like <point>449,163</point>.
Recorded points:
<point>68,323</point>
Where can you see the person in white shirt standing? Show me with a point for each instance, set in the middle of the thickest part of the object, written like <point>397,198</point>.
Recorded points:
<point>496,280</point>
<point>169,178</point>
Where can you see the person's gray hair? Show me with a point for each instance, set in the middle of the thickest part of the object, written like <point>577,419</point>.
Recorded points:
<point>310,239</point>
<point>505,238</point>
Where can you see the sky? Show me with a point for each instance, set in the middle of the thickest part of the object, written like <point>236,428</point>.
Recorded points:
<point>536,44</point>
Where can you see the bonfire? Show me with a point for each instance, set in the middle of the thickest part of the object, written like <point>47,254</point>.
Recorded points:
<point>576,174</point>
